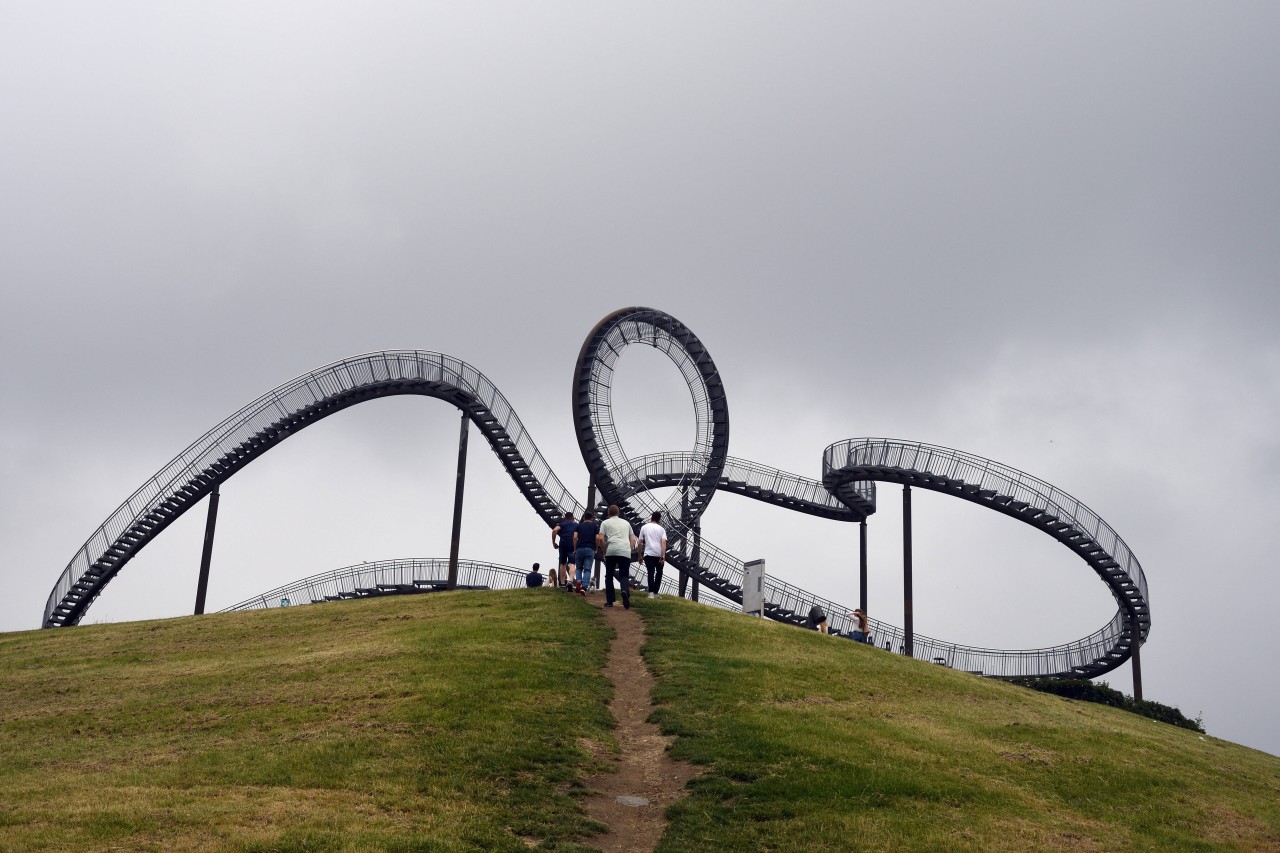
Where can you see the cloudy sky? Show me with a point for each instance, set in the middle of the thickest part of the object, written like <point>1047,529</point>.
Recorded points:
<point>1041,233</point>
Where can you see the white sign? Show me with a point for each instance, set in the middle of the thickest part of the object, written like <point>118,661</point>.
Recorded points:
<point>753,587</point>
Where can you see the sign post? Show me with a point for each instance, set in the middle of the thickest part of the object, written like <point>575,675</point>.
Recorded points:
<point>753,588</point>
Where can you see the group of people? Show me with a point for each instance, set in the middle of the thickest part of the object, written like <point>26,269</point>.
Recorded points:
<point>860,634</point>
<point>586,544</point>
<point>582,545</point>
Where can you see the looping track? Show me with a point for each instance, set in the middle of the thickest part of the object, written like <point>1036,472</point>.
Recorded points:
<point>846,492</point>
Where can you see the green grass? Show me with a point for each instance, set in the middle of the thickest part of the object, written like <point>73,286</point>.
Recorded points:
<point>468,721</point>
<point>440,722</point>
<point>814,743</point>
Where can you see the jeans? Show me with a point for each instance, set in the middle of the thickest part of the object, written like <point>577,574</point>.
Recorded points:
<point>654,566</point>
<point>619,566</point>
<point>586,558</point>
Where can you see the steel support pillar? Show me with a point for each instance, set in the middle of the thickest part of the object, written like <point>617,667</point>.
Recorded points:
<point>206,556</point>
<point>591,499</point>
<point>697,552</point>
<point>862,566</point>
<point>684,540</point>
<point>908,627</point>
<point>1135,660</point>
<point>457,502</point>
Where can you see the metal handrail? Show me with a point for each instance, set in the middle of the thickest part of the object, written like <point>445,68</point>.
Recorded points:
<point>626,482</point>
<point>747,478</point>
<point>269,419</point>
<point>400,576</point>
<point>847,490</point>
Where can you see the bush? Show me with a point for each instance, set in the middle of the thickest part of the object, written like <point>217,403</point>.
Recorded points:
<point>1103,694</point>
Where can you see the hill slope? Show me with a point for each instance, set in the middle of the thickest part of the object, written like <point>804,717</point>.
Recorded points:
<point>818,744</point>
<point>468,720</point>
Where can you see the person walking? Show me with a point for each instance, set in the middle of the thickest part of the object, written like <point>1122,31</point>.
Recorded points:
<point>562,541</point>
<point>654,538</point>
<point>585,538</point>
<point>619,546</point>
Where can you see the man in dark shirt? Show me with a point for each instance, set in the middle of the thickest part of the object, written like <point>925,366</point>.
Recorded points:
<point>562,540</point>
<point>534,578</point>
<point>585,538</point>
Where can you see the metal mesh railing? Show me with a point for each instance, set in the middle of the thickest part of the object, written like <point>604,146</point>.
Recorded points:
<point>859,453</point>
<point>627,481</point>
<point>751,479</point>
<point>847,491</point>
<point>384,577</point>
<point>263,421</point>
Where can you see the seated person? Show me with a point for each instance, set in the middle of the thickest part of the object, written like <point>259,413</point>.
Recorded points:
<point>534,578</point>
<point>818,619</point>
<point>861,631</point>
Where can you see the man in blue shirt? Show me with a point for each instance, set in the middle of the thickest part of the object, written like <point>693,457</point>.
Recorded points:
<point>534,578</point>
<point>562,539</point>
<point>584,539</point>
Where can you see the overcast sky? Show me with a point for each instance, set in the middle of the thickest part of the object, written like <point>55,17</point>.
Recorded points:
<point>1041,233</point>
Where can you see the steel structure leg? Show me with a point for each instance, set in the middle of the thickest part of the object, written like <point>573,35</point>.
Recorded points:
<point>206,556</point>
<point>908,632</point>
<point>457,502</point>
<point>684,540</point>
<point>697,548</point>
<point>862,566</point>
<point>591,498</point>
<point>1136,661</point>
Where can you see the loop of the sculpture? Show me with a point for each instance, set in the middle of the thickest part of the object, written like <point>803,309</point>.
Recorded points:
<point>593,420</point>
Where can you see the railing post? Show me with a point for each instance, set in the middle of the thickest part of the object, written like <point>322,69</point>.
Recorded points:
<point>206,556</point>
<point>862,565</point>
<point>457,503</point>
<point>908,632</point>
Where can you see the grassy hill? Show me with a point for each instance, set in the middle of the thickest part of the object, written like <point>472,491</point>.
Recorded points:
<point>467,721</point>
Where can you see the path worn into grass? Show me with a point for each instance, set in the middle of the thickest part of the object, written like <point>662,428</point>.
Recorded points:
<point>632,800</point>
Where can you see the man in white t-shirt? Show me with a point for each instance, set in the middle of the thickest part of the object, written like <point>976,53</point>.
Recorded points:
<point>619,545</point>
<point>654,537</point>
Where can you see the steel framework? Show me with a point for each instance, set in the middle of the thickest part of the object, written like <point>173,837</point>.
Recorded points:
<point>846,492</point>
<point>405,576</point>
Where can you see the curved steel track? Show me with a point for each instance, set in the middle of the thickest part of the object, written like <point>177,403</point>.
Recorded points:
<point>846,492</point>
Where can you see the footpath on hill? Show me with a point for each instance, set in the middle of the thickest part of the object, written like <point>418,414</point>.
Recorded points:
<point>632,800</point>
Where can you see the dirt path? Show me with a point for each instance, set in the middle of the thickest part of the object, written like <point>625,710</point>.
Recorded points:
<point>631,801</point>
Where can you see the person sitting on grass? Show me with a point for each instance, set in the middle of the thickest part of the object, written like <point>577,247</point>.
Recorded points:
<point>818,619</point>
<point>862,631</point>
<point>534,578</point>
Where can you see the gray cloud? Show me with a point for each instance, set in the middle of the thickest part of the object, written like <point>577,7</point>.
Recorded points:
<point>1040,234</point>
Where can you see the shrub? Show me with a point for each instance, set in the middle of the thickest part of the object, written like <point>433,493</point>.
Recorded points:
<point>1103,694</point>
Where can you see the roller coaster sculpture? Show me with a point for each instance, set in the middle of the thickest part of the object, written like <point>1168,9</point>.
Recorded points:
<point>846,492</point>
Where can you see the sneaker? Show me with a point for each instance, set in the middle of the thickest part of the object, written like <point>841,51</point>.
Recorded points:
<point>608,605</point>
<point>653,595</point>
